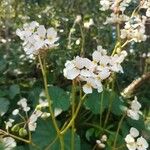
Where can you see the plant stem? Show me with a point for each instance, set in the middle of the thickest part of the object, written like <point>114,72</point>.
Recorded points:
<point>101,107</point>
<point>47,93</point>
<point>43,69</point>
<point>110,102</point>
<point>117,132</point>
<point>61,142</point>
<point>83,41</point>
<point>15,137</point>
<point>74,116</point>
<point>73,110</point>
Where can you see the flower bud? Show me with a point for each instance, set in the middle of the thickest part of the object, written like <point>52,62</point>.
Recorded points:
<point>15,128</point>
<point>23,132</point>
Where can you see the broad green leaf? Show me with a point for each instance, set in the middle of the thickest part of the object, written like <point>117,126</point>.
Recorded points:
<point>2,64</point>
<point>139,124</point>
<point>14,90</point>
<point>60,98</point>
<point>117,104</point>
<point>4,104</point>
<point>3,93</point>
<point>93,101</point>
<point>89,133</point>
<point>45,135</point>
<point>96,101</point>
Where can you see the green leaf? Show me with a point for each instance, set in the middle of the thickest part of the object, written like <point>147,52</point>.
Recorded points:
<point>2,64</point>
<point>59,97</point>
<point>4,104</point>
<point>89,133</point>
<point>3,93</point>
<point>45,135</point>
<point>14,90</point>
<point>93,101</point>
<point>117,104</point>
<point>138,124</point>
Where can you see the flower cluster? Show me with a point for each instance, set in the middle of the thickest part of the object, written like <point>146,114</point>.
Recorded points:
<point>95,71</point>
<point>134,110</point>
<point>133,142</point>
<point>101,143</point>
<point>29,121</point>
<point>120,5</point>
<point>115,18</point>
<point>146,5</point>
<point>36,38</point>
<point>134,29</point>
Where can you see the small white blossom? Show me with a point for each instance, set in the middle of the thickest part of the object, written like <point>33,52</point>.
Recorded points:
<point>134,29</point>
<point>37,38</point>
<point>23,104</point>
<point>78,18</point>
<point>100,144</point>
<point>9,123</point>
<point>104,138</point>
<point>134,110</point>
<point>15,112</point>
<point>105,4</point>
<point>89,23</point>
<point>135,144</point>
<point>142,144</point>
<point>9,143</point>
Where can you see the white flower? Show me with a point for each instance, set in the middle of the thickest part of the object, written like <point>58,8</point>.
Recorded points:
<point>105,4</point>
<point>26,109</point>
<point>142,144</point>
<point>132,143</point>
<point>37,38</point>
<point>135,105</point>
<point>104,138</point>
<point>148,12</point>
<point>78,18</point>
<point>32,126</point>
<point>134,29</point>
<point>23,104</point>
<point>51,38</point>
<point>89,23</point>
<point>100,144</point>
<point>115,18</point>
<point>94,72</point>
<point>9,123</point>
<point>9,143</point>
<point>15,112</point>
<point>134,132</point>
<point>87,88</point>
<point>45,115</point>
<point>43,103</point>
<point>134,111</point>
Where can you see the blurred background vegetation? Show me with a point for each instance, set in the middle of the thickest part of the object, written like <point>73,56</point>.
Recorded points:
<point>21,77</point>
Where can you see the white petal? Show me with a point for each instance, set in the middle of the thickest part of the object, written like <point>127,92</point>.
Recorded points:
<point>134,132</point>
<point>41,31</point>
<point>133,114</point>
<point>15,112</point>
<point>105,73</point>
<point>129,139</point>
<point>135,105</point>
<point>87,89</point>
<point>142,143</point>
<point>71,74</point>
